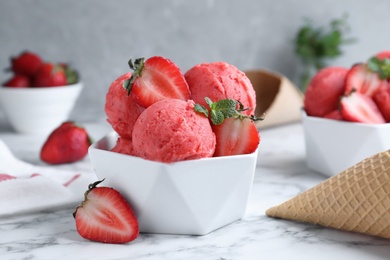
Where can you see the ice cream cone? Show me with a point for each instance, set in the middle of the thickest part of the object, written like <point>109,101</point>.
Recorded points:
<point>357,199</point>
<point>276,97</point>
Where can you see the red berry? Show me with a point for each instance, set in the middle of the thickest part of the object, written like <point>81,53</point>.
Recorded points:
<point>50,75</point>
<point>27,63</point>
<point>105,216</point>
<point>18,81</point>
<point>236,136</point>
<point>363,80</point>
<point>358,107</point>
<point>156,79</point>
<point>324,91</point>
<point>66,144</point>
<point>382,100</point>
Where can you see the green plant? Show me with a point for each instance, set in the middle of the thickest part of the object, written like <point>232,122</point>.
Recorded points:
<point>315,46</point>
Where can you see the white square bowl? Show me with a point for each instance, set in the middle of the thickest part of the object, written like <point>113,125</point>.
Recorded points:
<point>332,146</point>
<point>192,197</point>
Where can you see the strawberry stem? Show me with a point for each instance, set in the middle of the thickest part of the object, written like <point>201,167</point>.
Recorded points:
<point>137,67</point>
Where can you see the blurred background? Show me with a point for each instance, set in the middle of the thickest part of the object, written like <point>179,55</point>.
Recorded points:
<point>98,37</point>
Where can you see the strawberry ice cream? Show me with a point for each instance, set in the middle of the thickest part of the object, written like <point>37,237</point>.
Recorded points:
<point>220,80</point>
<point>170,130</point>
<point>324,91</point>
<point>121,109</point>
<point>124,146</point>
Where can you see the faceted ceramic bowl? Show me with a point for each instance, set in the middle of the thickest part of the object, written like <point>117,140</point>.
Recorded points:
<point>38,110</point>
<point>189,197</point>
<point>333,146</point>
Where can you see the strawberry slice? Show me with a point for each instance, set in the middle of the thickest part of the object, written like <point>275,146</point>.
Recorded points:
<point>105,216</point>
<point>156,79</point>
<point>363,80</point>
<point>358,107</point>
<point>236,136</point>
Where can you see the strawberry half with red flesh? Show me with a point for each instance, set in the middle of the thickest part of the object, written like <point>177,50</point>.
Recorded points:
<point>105,216</point>
<point>235,133</point>
<point>66,144</point>
<point>18,81</point>
<point>358,107</point>
<point>156,79</point>
<point>50,75</point>
<point>27,63</point>
<point>363,80</point>
<point>236,136</point>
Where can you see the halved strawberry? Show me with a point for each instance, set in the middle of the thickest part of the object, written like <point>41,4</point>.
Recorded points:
<point>363,80</point>
<point>156,79</point>
<point>236,136</point>
<point>105,216</point>
<point>382,100</point>
<point>358,107</point>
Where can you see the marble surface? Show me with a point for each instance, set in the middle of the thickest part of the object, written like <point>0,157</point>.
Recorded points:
<point>281,173</point>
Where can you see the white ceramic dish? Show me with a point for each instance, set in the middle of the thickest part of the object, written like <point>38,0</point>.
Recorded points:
<point>190,197</point>
<point>333,146</point>
<point>38,110</point>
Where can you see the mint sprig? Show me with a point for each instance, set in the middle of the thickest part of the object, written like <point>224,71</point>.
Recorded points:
<point>223,109</point>
<point>380,66</point>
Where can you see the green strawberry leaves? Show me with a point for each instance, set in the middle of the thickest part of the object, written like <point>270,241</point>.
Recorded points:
<point>137,67</point>
<point>223,109</point>
<point>382,67</point>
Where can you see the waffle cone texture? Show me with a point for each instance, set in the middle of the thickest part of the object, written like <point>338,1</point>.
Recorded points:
<point>357,199</point>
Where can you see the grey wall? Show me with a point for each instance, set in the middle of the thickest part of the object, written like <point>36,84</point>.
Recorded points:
<point>99,36</point>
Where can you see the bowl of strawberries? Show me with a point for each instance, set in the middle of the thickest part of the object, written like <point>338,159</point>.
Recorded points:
<point>39,95</point>
<point>183,149</point>
<point>346,114</point>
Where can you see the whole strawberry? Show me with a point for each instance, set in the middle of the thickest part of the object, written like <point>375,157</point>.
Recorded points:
<point>105,216</point>
<point>18,81</point>
<point>27,63</point>
<point>50,75</point>
<point>66,144</point>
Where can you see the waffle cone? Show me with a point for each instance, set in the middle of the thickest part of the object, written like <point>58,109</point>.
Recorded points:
<point>357,199</point>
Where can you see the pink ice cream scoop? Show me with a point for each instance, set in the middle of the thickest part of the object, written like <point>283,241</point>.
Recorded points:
<point>121,109</point>
<point>170,130</point>
<point>220,80</point>
<point>124,146</point>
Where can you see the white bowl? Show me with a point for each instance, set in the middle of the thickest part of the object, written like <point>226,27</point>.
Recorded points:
<point>333,146</point>
<point>38,110</point>
<point>189,197</point>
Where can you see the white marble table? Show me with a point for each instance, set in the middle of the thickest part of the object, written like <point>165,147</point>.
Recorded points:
<point>281,174</point>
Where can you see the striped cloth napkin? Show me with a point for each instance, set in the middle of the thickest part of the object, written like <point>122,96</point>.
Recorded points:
<point>25,187</point>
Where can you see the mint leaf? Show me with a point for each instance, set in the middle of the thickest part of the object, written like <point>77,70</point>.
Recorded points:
<point>201,109</point>
<point>225,108</point>
<point>217,117</point>
<point>382,67</point>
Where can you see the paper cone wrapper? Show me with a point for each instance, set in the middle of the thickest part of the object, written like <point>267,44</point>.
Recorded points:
<point>357,199</point>
<point>276,97</point>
